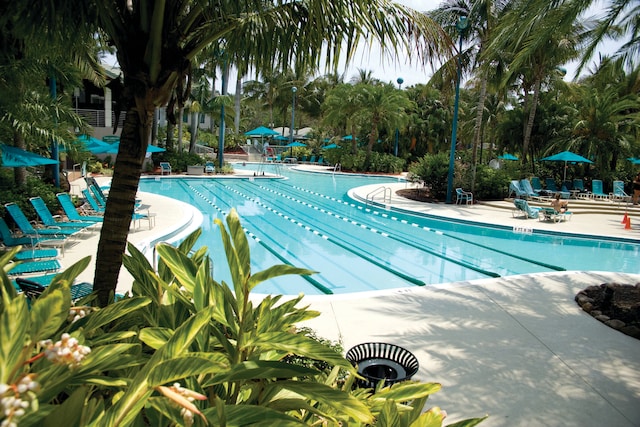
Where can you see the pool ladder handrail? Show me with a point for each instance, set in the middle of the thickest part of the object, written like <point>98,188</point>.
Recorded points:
<point>337,167</point>
<point>384,189</point>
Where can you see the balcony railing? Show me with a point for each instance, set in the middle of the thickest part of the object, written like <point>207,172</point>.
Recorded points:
<point>96,118</point>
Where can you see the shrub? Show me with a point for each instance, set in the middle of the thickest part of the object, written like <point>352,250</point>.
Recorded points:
<point>433,169</point>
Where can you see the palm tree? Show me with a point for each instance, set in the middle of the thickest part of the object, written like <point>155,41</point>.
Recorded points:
<point>339,110</point>
<point>382,107</point>
<point>157,43</point>
<point>538,37</point>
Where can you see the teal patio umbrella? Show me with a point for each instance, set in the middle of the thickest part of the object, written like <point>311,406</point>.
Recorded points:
<point>14,157</point>
<point>508,156</point>
<point>113,149</point>
<point>295,144</point>
<point>566,157</point>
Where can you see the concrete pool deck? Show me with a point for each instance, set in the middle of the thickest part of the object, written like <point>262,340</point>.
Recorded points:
<point>516,348</point>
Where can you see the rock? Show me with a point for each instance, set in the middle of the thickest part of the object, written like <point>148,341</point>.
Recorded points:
<point>615,324</point>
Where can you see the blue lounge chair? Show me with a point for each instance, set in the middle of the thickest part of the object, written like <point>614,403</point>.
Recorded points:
<point>93,203</point>
<point>49,220</point>
<point>618,194</point>
<point>597,190</point>
<point>550,214</point>
<point>34,254</point>
<point>463,196</point>
<point>209,167</point>
<point>527,188</point>
<point>71,211</point>
<point>25,226</point>
<point>551,187</point>
<point>522,208</point>
<point>33,289</point>
<point>10,240</point>
<point>136,218</point>
<point>583,193</point>
<point>516,190</point>
<point>27,267</point>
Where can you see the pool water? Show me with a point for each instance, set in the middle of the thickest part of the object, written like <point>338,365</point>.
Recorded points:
<point>307,220</point>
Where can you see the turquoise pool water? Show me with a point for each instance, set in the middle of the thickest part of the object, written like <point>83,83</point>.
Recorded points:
<point>307,220</point>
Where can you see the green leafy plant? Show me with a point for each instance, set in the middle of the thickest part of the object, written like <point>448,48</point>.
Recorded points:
<point>187,350</point>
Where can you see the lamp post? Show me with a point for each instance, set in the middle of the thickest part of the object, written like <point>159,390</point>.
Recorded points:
<point>293,117</point>
<point>461,25</point>
<point>400,80</point>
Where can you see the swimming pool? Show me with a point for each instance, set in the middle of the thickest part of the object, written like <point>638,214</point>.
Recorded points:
<point>307,220</point>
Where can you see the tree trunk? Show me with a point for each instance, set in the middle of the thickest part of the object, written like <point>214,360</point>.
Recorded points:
<point>238,97</point>
<point>180,126</point>
<point>477,130</point>
<point>532,115</point>
<point>195,118</point>
<point>19,174</point>
<point>121,200</point>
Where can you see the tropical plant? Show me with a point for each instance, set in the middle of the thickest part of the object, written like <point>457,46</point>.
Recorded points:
<point>432,169</point>
<point>185,350</point>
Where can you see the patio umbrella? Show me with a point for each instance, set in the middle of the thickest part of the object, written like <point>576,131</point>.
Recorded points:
<point>330,146</point>
<point>566,157</point>
<point>634,160</point>
<point>13,157</point>
<point>113,149</point>
<point>262,131</point>
<point>295,144</point>
<point>93,145</point>
<point>508,156</point>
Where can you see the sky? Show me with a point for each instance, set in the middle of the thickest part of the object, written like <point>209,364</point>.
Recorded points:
<point>387,70</point>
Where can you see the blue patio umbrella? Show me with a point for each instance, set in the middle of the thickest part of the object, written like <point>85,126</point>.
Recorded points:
<point>13,157</point>
<point>566,157</point>
<point>330,146</point>
<point>508,156</point>
<point>262,131</point>
<point>93,145</point>
<point>295,144</point>
<point>634,160</point>
<point>113,149</point>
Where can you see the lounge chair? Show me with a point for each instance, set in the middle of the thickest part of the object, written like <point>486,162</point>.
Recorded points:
<point>321,160</point>
<point>550,214</point>
<point>618,194</point>
<point>537,187</point>
<point>209,167</point>
<point>463,196</point>
<point>71,211</point>
<point>25,226</point>
<point>93,203</point>
<point>578,184</point>
<point>136,217</point>
<point>50,221</point>
<point>10,240</point>
<point>551,187</point>
<point>522,208</point>
<point>597,190</point>
<point>33,289</point>
<point>516,190</point>
<point>165,167</point>
<point>27,267</point>
<point>32,254</point>
<point>525,185</point>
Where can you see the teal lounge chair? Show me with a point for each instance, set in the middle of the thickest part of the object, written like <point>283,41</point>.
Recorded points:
<point>27,267</point>
<point>550,214</point>
<point>551,187</point>
<point>522,208</point>
<point>33,254</point>
<point>527,188</point>
<point>33,289</point>
<point>618,194</point>
<point>25,226</point>
<point>136,218</point>
<point>72,213</point>
<point>578,184</point>
<point>516,190</point>
<point>10,240</point>
<point>209,167</point>
<point>49,220</point>
<point>93,203</point>
<point>597,190</point>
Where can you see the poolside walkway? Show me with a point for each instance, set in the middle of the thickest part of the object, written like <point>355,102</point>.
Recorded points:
<point>516,348</point>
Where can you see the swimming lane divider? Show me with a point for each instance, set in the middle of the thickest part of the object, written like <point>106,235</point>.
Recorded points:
<point>309,279</point>
<point>387,235</point>
<point>400,274</point>
<point>385,215</point>
<point>390,236</point>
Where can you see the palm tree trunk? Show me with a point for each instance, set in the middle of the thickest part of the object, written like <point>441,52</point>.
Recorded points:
<point>19,174</point>
<point>180,113</point>
<point>121,201</point>
<point>477,131</point>
<point>532,115</point>
<point>238,97</point>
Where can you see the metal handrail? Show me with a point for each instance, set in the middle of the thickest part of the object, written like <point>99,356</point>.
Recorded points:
<point>383,189</point>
